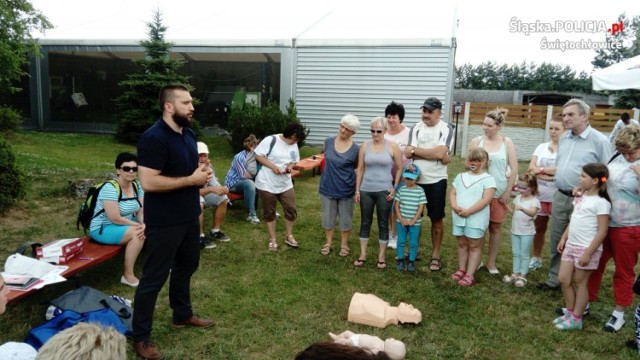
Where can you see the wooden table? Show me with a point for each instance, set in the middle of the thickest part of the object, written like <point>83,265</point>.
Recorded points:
<point>97,253</point>
<point>310,163</point>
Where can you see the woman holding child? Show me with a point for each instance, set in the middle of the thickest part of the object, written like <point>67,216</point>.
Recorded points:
<point>338,184</point>
<point>504,169</point>
<point>118,216</point>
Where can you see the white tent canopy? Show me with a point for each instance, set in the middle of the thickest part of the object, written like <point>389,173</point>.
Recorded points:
<point>620,76</point>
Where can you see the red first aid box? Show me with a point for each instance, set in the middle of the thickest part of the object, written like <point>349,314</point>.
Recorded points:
<point>62,248</point>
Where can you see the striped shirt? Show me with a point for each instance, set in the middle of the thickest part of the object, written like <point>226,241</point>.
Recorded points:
<point>237,170</point>
<point>410,199</point>
<point>128,205</point>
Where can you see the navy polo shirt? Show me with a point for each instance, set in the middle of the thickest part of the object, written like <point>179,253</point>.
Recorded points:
<point>174,155</point>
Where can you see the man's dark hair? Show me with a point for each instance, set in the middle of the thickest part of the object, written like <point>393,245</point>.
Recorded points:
<point>625,118</point>
<point>395,109</point>
<point>167,91</point>
<point>294,129</point>
<point>125,157</point>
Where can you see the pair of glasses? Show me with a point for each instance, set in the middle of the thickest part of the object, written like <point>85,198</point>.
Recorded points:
<point>377,131</point>
<point>346,128</point>
<point>129,168</point>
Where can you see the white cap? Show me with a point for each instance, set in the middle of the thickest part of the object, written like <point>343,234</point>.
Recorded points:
<point>202,148</point>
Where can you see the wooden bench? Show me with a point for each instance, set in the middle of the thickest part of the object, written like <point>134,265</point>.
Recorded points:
<point>92,255</point>
<point>310,163</point>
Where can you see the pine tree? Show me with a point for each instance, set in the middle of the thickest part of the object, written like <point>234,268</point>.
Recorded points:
<point>137,108</point>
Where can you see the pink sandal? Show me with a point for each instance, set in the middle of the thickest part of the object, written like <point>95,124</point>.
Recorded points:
<point>467,280</point>
<point>458,275</point>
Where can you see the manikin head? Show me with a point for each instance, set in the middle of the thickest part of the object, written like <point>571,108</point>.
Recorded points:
<point>408,314</point>
<point>395,349</point>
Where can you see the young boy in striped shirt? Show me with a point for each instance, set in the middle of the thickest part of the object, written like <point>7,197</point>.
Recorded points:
<point>410,201</point>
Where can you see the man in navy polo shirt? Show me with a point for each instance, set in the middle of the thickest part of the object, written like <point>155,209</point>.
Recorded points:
<point>170,176</point>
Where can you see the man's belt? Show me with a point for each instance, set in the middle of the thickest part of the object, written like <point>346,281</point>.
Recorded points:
<point>566,193</point>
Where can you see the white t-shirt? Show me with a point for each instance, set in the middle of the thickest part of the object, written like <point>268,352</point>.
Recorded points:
<point>546,158</point>
<point>521,223</point>
<point>584,219</point>
<point>429,137</point>
<point>402,139</point>
<point>281,155</point>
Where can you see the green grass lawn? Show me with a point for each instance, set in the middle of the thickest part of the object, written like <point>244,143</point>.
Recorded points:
<point>272,305</point>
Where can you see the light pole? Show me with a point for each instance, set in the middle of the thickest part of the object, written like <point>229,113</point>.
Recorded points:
<point>457,109</point>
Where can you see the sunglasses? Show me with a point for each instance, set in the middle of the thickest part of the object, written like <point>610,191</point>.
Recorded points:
<point>377,131</point>
<point>129,168</point>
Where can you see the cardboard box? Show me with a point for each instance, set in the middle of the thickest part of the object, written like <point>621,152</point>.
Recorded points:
<point>62,247</point>
<point>62,259</point>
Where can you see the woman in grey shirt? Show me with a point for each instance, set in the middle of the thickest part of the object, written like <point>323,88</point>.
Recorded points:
<point>375,187</point>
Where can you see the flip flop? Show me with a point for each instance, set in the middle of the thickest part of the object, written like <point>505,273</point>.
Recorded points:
<point>344,251</point>
<point>359,263</point>
<point>273,246</point>
<point>326,249</point>
<point>435,264</point>
<point>291,241</point>
<point>382,265</point>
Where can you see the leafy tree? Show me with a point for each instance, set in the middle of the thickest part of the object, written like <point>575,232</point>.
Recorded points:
<point>525,76</point>
<point>248,118</point>
<point>18,19</point>
<point>630,39</point>
<point>137,108</point>
<point>12,181</point>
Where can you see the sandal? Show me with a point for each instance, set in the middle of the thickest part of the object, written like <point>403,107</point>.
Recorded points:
<point>291,241</point>
<point>273,246</point>
<point>344,251</point>
<point>510,278</point>
<point>435,264</point>
<point>326,249</point>
<point>521,282</point>
<point>382,265</point>
<point>467,280</point>
<point>359,262</point>
<point>458,275</point>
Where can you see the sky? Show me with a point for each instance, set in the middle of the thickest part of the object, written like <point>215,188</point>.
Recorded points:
<point>491,30</point>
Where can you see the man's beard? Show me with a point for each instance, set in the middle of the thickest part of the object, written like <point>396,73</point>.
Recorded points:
<point>181,120</point>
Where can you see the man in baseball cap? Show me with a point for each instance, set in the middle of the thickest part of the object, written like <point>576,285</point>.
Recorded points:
<point>429,144</point>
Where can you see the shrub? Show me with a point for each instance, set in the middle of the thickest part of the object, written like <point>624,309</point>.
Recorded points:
<point>11,179</point>
<point>250,119</point>
<point>10,118</point>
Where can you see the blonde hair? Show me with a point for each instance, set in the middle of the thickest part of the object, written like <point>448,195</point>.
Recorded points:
<point>85,341</point>
<point>479,154</point>
<point>379,121</point>
<point>628,138</point>
<point>249,141</point>
<point>498,115</point>
<point>530,178</point>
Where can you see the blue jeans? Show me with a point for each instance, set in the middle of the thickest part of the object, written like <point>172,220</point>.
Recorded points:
<point>520,245</point>
<point>369,201</point>
<point>248,188</point>
<point>414,235</point>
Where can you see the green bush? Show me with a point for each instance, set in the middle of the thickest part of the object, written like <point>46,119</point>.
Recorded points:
<point>11,179</point>
<point>250,119</point>
<point>10,118</point>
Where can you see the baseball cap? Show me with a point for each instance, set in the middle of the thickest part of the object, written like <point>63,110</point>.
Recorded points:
<point>202,148</point>
<point>432,104</point>
<point>411,172</point>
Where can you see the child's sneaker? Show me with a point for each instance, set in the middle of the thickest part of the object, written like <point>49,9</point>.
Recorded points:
<point>411,267</point>
<point>570,323</point>
<point>560,319</point>
<point>535,263</point>
<point>510,278</point>
<point>614,324</point>
<point>253,219</point>
<point>393,242</point>
<point>400,265</point>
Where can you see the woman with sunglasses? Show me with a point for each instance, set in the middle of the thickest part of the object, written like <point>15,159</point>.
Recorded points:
<point>118,216</point>
<point>375,187</point>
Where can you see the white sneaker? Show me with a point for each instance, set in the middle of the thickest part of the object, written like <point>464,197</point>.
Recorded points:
<point>535,263</point>
<point>253,219</point>
<point>614,324</point>
<point>393,242</point>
